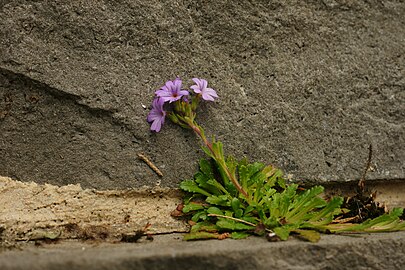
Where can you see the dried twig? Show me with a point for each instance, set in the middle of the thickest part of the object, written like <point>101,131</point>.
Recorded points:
<point>150,164</point>
<point>362,181</point>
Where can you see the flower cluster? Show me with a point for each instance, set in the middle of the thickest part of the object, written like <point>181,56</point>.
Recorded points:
<point>184,102</point>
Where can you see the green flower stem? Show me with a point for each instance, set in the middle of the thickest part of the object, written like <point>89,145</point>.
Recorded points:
<point>218,158</point>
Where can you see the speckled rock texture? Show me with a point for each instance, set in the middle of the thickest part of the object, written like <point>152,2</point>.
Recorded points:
<point>374,251</point>
<point>305,85</point>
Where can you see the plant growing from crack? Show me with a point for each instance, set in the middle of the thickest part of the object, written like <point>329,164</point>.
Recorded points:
<point>231,198</point>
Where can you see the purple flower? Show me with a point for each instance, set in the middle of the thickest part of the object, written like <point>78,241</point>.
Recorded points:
<point>201,88</point>
<point>171,91</point>
<point>157,114</point>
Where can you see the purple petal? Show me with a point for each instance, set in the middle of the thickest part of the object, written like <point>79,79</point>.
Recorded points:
<point>171,98</point>
<point>157,114</point>
<point>196,89</point>
<point>162,92</point>
<point>156,125</point>
<point>183,93</point>
<point>204,84</point>
<point>197,81</point>
<point>209,96</point>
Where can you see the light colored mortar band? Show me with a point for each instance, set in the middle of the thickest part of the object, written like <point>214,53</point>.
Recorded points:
<point>33,211</point>
<point>30,211</point>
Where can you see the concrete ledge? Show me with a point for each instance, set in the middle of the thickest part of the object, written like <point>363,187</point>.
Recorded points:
<point>364,251</point>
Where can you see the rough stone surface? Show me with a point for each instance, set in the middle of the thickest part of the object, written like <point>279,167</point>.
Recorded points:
<point>29,212</point>
<point>377,251</point>
<point>306,85</point>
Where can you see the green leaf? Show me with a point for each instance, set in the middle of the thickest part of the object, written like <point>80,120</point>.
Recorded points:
<point>218,200</point>
<point>243,176</point>
<point>328,212</point>
<point>239,235</point>
<point>305,202</point>
<point>236,207</point>
<point>232,164</point>
<point>233,225</point>
<point>207,184</point>
<point>282,232</point>
<point>218,186</point>
<point>255,175</point>
<point>286,199</point>
<point>269,171</point>
<point>204,226</point>
<point>207,151</point>
<point>275,176</point>
<point>383,223</point>
<point>249,209</point>
<point>202,215</point>
<point>309,235</point>
<point>235,204</point>
<point>239,213</point>
<point>249,219</point>
<point>192,207</point>
<point>206,168</point>
<point>191,186</point>
<point>200,235</point>
<point>218,148</point>
<point>214,210</point>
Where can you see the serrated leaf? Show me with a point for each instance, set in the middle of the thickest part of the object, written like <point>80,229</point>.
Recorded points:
<point>214,210</point>
<point>233,225</point>
<point>269,170</point>
<point>276,177</point>
<point>238,213</point>
<point>206,168</point>
<point>282,232</point>
<point>206,184</point>
<point>239,235</point>
<point>243,176</point>
<point>235,204</point>
<point>327,213</point>
<point>217,200</point>
<point>204,226</point>
<point>249,219</point>
<point>191,186</point>
<point>236,207</point>
<point>218,186</point>
<point>249,209</point>
<point>202,215</point>
<point>255,176</point>
<point>305,202</point>
<point>218,148</point>
<point>280,181</point>
<point>192,207</point>
<point>207,151</point>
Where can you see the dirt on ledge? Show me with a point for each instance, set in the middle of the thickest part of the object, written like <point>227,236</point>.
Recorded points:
<point>29,211</point>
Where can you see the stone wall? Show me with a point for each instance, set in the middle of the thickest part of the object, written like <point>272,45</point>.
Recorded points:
<point>305,85</point>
